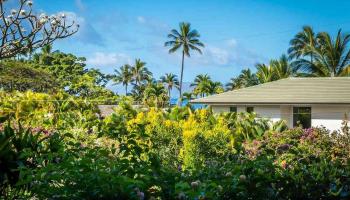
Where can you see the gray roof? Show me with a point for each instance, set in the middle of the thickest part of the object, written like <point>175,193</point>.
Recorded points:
<point>106,110</point>
<point>330,90</point>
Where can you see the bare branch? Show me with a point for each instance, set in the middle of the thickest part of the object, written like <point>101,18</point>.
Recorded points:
<point>22,30</point>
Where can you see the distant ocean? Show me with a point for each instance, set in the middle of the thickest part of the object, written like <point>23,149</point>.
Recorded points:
<point>173,101</point>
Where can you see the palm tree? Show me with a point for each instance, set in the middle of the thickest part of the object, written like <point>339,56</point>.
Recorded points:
<point>200,84</point>
<point>281,68</point>
<point>245,79</point>
<point>234,83</point>
<point>215,87</point>
<point>264,73</point>
<point>123,76</point>
<point>248,78</point>
<point>187,96</point>
<point>331,58</point>
<point>171,81</point>
<point>186,40</point>
<point>155,94</point>
<point>140,72</point>
<point>201,78</point>
<point>303,44</point>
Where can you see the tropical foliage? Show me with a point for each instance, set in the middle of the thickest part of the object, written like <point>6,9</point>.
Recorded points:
<point>162,154</point>
<point>328,56</point>
<point>55,143</point>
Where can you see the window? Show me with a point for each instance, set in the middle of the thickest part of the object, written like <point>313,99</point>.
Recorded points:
<point>233,109</point>
<point>250,109</point>
<point>302,117</point>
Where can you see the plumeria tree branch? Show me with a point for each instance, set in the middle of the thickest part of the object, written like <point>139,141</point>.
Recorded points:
<point>23,31</point>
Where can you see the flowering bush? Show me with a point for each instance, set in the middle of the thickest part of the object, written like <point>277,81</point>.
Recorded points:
<point>174,153</point>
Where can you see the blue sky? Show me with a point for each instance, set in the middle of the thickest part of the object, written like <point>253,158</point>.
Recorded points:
<point>237,34</point>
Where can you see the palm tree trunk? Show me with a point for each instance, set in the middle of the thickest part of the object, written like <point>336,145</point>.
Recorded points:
<point>169,93</point>
<point>312,59</point>
<point>181,77</point>
<point>126,90</point>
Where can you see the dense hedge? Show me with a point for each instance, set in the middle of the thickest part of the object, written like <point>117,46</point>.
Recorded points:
<point>162,154</point>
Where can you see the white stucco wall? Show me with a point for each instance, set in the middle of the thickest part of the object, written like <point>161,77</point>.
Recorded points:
<point>220,109</point>
<point>272,112</point>
<point>329,116</point>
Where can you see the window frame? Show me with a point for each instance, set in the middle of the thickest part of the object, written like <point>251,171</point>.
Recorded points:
<point>248,108</point>
<point>233,108</point>
<point>294,113</point>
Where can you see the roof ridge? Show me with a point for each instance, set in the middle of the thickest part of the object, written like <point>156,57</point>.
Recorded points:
<point>253,86</point>
<point>334,77</point>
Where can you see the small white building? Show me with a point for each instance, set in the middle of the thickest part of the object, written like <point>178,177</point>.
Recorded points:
<point>311,102</point>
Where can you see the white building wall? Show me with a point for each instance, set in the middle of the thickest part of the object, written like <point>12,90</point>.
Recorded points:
<point>329,116</point>
<point>271,112</point>
<point>220,109</point>
<point>287,114</point>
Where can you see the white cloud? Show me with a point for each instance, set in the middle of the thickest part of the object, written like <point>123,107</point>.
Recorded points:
<point>141,19</point>
<point>87,33</point>
<point>153,25</point>
<point>229,53</point>
<point>80,5</point>
<point>100,59</point>
<point>218,55</point>
<point>232,43</point>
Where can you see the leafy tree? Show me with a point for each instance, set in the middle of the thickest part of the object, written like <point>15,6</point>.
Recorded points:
<point>186,40</point>
<point>85,86</point>
<point>123,76</point>
<point>101,79</point>
<point>15,75</point>
<point>64,67</point>
<point>23,31</point>
<point>171,81</point>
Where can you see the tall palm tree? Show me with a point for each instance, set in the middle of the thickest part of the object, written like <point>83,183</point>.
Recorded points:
<point>123,76</point>
<point>264,73</point>
<point>185,40</point>
<point>303,44</point>
<point>331,58</point>
<point>140,72</point>
<point>171,81</point>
